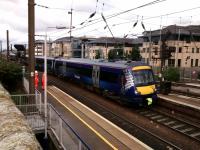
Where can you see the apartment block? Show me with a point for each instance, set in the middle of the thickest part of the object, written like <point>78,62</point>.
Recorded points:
<point>182,42</point>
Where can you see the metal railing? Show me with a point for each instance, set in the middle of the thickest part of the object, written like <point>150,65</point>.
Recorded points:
<point>64,133</point>
<point>33,109</point>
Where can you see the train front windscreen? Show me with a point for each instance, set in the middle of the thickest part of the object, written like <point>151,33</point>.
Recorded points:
<point>143,77</point>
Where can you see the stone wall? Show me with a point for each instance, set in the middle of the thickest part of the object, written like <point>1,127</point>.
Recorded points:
<point>15,133</point>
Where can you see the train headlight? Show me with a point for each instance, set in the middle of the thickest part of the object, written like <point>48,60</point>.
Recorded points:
<point>137,92</point>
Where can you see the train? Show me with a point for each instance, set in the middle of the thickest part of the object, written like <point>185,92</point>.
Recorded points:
<point>129,82</point>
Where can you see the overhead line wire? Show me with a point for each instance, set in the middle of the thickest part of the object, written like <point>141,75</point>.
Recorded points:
<point>160,15</point>
<point>117,14</point>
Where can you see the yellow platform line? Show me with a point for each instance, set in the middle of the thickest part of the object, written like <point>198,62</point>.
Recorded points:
<point>96,132</point>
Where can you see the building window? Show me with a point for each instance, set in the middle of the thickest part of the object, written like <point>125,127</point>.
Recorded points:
<point>197,50</point>
<point>180,49</point>
<point>191,62</point>
<point>196,62</point>
<point>147,61</point>
<point>155,43</point>
<point>179,62</point>
<point>171,62</point>
<point>147,50</point>
<point>172,49</point>
<point>192,50</point>
<point>144,50</point>
<point>156,51</point>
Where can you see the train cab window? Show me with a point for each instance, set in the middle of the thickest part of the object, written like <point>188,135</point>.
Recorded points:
<point>143,77</point>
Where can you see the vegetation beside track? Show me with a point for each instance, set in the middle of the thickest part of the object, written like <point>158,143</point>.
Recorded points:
<point>10,75</point>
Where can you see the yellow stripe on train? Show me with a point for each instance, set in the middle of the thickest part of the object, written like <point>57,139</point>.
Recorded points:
<point>141,68</point>
<point>144,90</point>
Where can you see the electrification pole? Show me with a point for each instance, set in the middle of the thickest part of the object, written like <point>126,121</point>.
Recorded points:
<point>70,12</point>
<point>150,50</point>
<point>8,52</point>
<point>70,30</point>
<point>1,48</point>
<point>31,40</point>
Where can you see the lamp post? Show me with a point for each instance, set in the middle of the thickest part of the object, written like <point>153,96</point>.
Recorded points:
<point>45,75</point>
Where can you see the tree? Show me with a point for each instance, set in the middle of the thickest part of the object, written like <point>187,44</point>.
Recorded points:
<point>97,54</point>
<point>135,54</point>
<point>10,74</point>
<point>111,54</point>
<point>171,74</point>
<point>116,53</point>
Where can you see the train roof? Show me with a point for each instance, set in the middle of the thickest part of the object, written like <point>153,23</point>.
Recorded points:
<point>117,64</point>
<point>122,64</point>
<point>42,57</point>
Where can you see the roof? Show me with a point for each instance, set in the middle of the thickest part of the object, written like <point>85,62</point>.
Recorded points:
<point>108,40</point>
<point>111,40</point>
<point>42,42</point>
<point>64,39</point>
<point>174,29</point>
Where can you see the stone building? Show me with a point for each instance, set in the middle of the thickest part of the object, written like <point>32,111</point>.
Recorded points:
<point>39,47</point>
<point>182,42</point>
<point>105,44</point>
<point>87,47</point>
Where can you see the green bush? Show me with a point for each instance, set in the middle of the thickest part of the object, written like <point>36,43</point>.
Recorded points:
<point>171,74</point>
<point>10,74</point>
<point>156,77</point>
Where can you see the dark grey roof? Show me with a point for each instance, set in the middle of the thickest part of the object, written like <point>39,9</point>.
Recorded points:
<point>42,41</point>
<point>108,40</point>
<point>66,39</point>
<point>174,29</point>
<point>39,41</point>
<point>111,40</point>
<point>63,39</point>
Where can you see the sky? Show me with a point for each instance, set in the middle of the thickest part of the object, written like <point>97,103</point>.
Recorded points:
<point>14,17</point>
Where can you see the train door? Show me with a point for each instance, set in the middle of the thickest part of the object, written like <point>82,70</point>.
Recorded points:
<point>95,75</point>
<point>64,69</point>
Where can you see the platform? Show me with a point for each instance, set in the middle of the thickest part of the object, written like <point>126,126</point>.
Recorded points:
<point>96,131</point>
<point>182,100</point>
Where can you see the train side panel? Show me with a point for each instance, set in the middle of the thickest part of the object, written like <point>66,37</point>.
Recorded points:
<point>110,80</point>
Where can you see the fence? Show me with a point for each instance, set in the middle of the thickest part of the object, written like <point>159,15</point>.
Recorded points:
<point>33,109</point>
<point>186,74</point>
<point>64,133</point>
<point>190,74</point>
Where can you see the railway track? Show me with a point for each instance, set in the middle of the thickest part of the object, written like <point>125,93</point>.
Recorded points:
<point>137,131</point>
<point>180,125</point>
<point>188,90</point>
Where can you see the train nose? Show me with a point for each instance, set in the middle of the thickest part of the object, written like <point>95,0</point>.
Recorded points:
<point>145,90</point>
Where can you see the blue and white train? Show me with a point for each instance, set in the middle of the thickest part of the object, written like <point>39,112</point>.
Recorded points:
<point>131,82</point>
